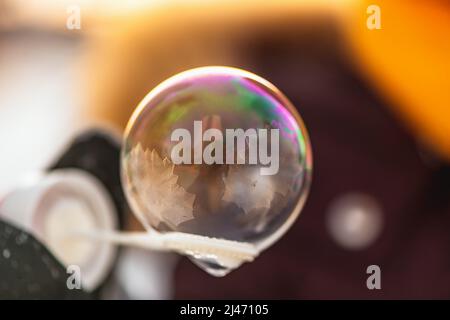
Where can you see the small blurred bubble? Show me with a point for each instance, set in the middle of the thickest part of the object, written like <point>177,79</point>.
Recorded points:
<point>354,220</point>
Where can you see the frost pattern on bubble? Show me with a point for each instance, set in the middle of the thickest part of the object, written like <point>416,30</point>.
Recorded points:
<point>251,192</point>
<point>164,198</point>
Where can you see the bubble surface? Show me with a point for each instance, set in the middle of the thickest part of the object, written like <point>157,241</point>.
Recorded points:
<point>217,152</point>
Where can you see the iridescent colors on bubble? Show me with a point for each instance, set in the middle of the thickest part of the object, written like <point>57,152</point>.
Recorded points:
<point>229,201</point>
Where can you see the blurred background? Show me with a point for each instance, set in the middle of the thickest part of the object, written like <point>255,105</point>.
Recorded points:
<point>376,103</point>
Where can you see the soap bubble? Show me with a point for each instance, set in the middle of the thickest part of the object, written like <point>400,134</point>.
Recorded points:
<point>217,152</point>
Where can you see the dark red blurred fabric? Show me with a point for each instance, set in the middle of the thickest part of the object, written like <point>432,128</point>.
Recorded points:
<point>358,146</point>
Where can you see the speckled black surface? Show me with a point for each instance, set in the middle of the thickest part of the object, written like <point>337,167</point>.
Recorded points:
<point>29,271</point>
